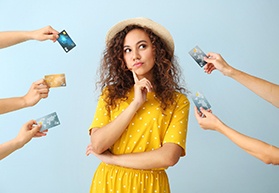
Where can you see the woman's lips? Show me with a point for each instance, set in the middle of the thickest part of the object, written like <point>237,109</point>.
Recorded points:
<point>138,64</point>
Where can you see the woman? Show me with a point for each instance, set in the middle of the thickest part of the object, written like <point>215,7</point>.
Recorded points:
<point>140,125</point>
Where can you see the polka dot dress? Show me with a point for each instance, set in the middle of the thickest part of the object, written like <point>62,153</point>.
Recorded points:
<point>148,130</point>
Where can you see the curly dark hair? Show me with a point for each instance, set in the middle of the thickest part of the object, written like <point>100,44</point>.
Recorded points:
<point>117,79</point>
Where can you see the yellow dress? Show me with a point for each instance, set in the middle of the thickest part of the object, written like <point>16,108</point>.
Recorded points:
<point>148,130</point>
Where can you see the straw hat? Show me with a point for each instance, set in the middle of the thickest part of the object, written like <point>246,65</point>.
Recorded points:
<point>158,29</point>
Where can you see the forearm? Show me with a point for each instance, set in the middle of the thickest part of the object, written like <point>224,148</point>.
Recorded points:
<point>274,155</point>
<point>164,157</point>
<point>263,88</point>
<point>12,104</point>
<point>9,147</point>
<point>14,37</point>
<point>255,147</point>
<point>104,137</point>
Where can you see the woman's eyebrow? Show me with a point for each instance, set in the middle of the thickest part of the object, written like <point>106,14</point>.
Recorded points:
<point>139,42</point>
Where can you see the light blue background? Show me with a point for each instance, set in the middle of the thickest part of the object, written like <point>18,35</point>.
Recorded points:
<point>244,32</point>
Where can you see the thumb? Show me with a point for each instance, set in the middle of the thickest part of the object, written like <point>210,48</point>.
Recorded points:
<point>208,59</point>
<point>205,112</point>
<point>41,81</point>
<point>36,128</point>
<point>52,37</point>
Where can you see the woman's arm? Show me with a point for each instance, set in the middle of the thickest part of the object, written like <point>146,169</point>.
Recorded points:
<point>104,137</point>
<point>261,150</point>
<point>166,156</point>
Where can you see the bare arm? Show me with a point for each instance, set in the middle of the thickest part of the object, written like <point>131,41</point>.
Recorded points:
<point>26,133</point>
<point>11,38</point>
<point>261,150</point>
<point>104,137</point>
<point>11,104</point>
<point>263,88</point>
<point>37,91</point>
<point>166,156</point>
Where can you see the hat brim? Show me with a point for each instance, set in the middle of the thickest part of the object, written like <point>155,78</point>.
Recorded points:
<point>157,29</point>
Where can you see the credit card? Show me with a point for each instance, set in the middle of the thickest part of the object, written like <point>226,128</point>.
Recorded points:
<point>198,55</point>
<point>48,121</point>
<point>200,101</point>
<point>65,41</point>
<point>55,80</point>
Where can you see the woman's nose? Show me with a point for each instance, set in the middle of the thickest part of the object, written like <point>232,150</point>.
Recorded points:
<point>136,55</point>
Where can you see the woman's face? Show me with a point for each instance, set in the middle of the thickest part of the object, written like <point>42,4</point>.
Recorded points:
<point>138,53</point>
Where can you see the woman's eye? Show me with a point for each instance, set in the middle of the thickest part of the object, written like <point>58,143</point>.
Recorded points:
<point>127,50</point>
<point>142,46</point>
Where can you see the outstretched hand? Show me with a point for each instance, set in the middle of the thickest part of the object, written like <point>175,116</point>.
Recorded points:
<point>37,91</point>
<point>46,33</point>
<point>216,61</point>
<point>28,131</point>
<point>206,119</point>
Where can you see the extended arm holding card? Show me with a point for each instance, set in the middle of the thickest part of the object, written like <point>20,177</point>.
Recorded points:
<point>37,91</point>
<point>26,133</point>
<point>267,153</point>
<point>11,38</point>
<point>263,88</point>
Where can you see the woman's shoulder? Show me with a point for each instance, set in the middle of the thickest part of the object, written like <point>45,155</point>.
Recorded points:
<point>104,91</point>
<point>181,96</point>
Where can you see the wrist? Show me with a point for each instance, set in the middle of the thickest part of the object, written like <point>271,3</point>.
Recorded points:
<point>24,102</point>
<point>30,35</point>
<point>220,127</point>
<point>17,143</point>
<point>229,71</point>
<point>113,160</point>
<point>26,35</point>
<point>135,105</point>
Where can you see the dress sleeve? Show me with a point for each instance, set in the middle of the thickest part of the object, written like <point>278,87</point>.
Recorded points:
<point>102,115</point>
<point>177,130</point>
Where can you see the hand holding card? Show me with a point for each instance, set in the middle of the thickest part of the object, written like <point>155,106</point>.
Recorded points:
<point>65,41</point>
<point>198,55</point>
<point>48,121</point>
<point>55,80</point>
<point>200,101</point>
